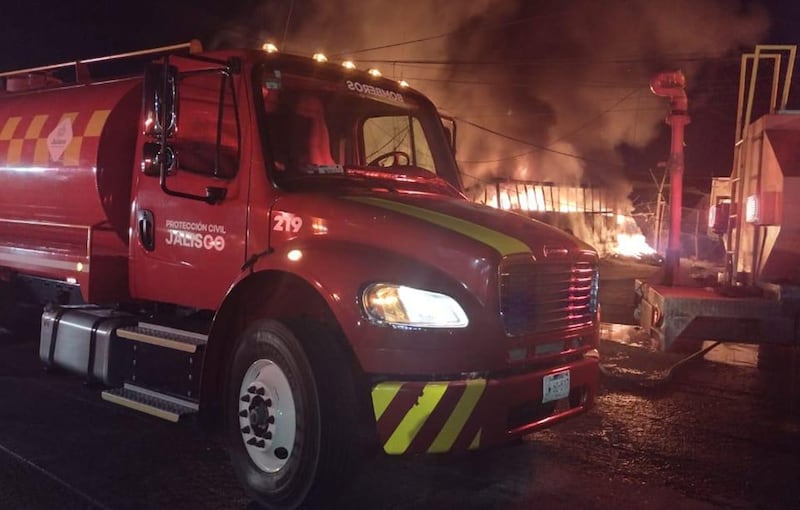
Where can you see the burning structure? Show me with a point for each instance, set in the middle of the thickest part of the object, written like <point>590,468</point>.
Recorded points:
<point>594,215</point>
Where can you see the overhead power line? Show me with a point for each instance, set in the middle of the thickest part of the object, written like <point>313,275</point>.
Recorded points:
<point>451,32</point>
<point>548,148</point>
<point>498,160</point>
<point>288,21</point>
<point>593,119</point>
<point>535,145</point>
<point>498,84</point>
<point>589,59</point>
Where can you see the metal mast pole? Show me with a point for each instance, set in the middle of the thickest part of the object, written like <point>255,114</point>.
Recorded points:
<point>672,85</point>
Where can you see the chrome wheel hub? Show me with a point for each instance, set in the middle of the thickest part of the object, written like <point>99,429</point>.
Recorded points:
<point>267,419</point>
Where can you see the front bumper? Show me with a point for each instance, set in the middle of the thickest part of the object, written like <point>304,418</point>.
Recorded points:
<point>467,414</point>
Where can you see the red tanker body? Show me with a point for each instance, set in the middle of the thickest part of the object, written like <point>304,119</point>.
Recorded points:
<point>67,157</point>
<point>283,246</point>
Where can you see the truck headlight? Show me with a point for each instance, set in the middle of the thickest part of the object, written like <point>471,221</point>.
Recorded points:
<point>406,306</point>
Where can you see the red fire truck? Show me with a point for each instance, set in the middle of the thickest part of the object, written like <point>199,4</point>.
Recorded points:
<point>281,246</point>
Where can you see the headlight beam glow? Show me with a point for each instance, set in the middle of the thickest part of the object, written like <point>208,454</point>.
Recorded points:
<point>398,305</point>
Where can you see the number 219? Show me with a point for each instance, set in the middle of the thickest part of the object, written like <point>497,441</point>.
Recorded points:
<point>287,222</point>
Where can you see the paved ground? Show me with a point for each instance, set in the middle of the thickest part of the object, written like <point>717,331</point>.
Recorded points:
<point>718,434</point>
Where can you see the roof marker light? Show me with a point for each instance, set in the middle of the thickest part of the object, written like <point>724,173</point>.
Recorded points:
<point>319,57</point>
<point>349,64</point>
<point>269,48</point>
<point>403,83</point>
<point>374,73</point>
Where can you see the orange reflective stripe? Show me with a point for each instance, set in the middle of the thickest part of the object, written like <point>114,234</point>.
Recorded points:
<point>34,130</point>
<point>19,131</point>
<point>96,123</point>
<point>9,127</point>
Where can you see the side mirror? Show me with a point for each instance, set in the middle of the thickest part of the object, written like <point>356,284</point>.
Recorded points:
<point>152,158</point>
<point>160,103</point>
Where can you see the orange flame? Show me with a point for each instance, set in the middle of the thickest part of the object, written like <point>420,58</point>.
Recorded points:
<point>621,237</point>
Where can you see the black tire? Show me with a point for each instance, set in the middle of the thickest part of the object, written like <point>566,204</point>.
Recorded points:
<point>326,449</point>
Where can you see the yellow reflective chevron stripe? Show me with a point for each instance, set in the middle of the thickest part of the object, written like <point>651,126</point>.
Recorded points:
<point>473,390</point>
<point>382,396</point>
<point>430,417</point>
<point>407,430</point>
<point>476,441</point>
<point>504,244</point>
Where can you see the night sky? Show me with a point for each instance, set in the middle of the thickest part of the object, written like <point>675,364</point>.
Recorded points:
<point>41,32</point>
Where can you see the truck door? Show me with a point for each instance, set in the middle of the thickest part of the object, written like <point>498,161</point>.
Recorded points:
<point>184,249</point>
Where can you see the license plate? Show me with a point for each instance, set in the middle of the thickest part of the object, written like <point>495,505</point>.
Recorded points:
<point>555,386</point>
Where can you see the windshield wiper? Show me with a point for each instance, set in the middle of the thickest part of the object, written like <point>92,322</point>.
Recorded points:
<point>363,176</point>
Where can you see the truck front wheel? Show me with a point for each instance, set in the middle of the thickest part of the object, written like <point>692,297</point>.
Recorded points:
<point>291,408</point>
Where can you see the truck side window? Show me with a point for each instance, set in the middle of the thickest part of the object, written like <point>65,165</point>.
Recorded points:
<point>196,139</point>
<point>298,130</point>
<point>397,134</point>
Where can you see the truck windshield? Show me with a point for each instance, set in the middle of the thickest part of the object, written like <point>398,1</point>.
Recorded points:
<point>348,127</point>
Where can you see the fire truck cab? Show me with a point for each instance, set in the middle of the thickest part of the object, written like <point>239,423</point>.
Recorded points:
<point>282,247</point>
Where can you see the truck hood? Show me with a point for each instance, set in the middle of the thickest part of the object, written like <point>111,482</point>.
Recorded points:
<point>390,197</point>
<point>507,233</point>
<point>459,237</point>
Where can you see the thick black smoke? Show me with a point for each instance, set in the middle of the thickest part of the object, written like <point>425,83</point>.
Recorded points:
<point>571,78</point>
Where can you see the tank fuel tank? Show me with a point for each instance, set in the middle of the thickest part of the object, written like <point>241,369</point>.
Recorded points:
<point>66,158</point>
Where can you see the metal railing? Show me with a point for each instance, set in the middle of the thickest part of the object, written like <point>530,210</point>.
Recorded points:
<point>535,196</point>
<point>81,69</point>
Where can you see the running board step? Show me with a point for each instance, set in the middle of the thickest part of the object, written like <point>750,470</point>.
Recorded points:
<point>171,338</point>
<point>150,402</point>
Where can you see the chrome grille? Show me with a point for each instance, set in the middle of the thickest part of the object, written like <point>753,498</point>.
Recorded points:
<point>544,297</point>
